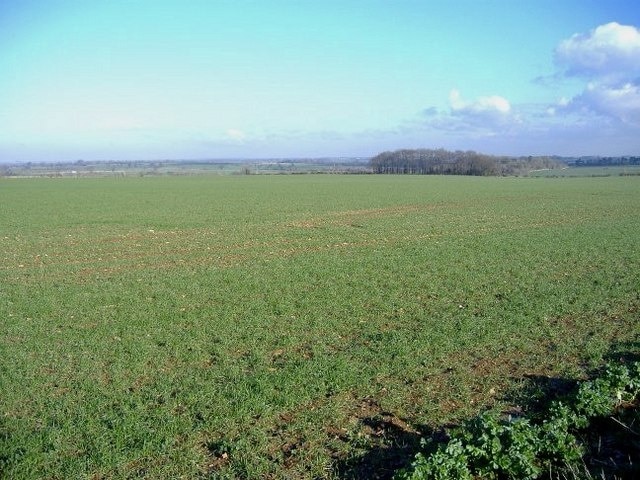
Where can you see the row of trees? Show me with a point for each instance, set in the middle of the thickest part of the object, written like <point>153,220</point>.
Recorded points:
<point>604,161</point>
<point>445,162</point>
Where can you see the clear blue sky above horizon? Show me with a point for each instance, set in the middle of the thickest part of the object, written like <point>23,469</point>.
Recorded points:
<point>262,79</point>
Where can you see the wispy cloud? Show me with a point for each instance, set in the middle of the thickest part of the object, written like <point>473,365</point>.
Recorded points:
<point>491,105</point>
<point>620,103</point>
<point>430,111</point>
<point>482,116</point>
<point>487,113</point>
<point>235,134</point>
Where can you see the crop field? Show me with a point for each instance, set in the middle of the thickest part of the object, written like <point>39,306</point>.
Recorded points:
<point>303,326</point>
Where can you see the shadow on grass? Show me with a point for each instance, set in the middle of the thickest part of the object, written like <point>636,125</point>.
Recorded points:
<point>394,446</point>
<point>624,352</point>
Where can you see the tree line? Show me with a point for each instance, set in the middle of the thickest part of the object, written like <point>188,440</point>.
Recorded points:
<point>444,162</point>
<point>603,161</point>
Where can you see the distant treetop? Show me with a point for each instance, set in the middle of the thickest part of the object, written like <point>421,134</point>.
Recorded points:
<point>444,162</point>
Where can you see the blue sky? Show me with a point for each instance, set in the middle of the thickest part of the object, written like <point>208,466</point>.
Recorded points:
<point>259,79</point>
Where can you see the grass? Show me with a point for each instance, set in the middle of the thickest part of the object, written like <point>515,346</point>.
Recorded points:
<point>253,326</point>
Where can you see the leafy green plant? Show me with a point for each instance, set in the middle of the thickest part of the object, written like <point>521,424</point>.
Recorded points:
<point>616,386</point>
<point>557,444</point>
<point>501,445</point>
<point>449,461</point>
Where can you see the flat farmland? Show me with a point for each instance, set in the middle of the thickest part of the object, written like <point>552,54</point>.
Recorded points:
<point>302,326</point>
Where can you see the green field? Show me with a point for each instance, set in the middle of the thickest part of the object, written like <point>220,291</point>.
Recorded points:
<point>294,326</point>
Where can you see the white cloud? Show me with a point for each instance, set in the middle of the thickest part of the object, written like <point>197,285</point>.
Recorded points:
<point>235,134</point>
<point>621,103</point>
<point>484,116</point>
<point>482,105</point>
<point>609,57</point>
<point>609,49</point>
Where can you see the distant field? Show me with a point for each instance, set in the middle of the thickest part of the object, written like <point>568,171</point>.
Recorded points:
<point>294,326</point>
<point>618,170</point>
<point>104,169</point>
